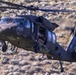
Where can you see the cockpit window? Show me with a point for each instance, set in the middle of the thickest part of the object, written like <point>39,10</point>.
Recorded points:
<point>27,24</point>
<point>13,20</point>
<point>49,36</point>
<point>7,20</point>
<point>18,20</point>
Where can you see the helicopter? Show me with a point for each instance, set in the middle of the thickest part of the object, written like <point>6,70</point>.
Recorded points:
<point>34,33</point>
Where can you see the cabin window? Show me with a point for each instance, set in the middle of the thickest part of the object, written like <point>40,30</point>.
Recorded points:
<point>27,24</point>
<point>32,27</point>
<point>54,38</point>
<point>7,20</point>
<point>51,37</point>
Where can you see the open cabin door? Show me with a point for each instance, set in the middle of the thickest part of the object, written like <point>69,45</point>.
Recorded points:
<point>42,37</point>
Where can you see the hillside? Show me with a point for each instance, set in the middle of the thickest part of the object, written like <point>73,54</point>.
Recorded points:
<point>30,63</point>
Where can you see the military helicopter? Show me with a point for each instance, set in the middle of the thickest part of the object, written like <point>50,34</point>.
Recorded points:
<point>34,33</point>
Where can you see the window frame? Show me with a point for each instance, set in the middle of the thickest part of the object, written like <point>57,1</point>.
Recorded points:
<point>52,37</point>
<point>32,27</point>
<point>26,26</point>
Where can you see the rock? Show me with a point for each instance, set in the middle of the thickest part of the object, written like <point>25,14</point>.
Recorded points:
<point>57,74</point>
<point>10,67</point>
<point>14,62</point>
<point>6,72</point>
<point>38,69</point>
<point>10,70</point>
<point>30,52</point>
<point>24,68</point>
<point>23,54</point>
<point>23,62</point>
<point>32,58</point>
<point>16,73</point>
<point>5,61</point>
<point>34,69</point>
<point>42,58</point>
<point>10,73</point>
<point>16,68</point>
<point>38,73</point>
<point>22,71</point>
<point>47,73</point>
<point>37,57</point>
<point>47,62</point>
<point>35,74</point>
<point>36,63</point>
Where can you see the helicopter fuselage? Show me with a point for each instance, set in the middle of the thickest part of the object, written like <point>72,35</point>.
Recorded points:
<point>33,36</point>
<point>26,33</point>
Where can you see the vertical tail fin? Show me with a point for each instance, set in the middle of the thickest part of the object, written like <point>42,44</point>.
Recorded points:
<point>72,45</point>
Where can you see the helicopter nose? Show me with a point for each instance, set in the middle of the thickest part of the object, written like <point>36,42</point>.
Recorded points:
<point>4,27</point>
<point>1,29</point>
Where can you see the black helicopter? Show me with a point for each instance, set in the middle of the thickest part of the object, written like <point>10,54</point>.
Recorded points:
<point>34,33</point>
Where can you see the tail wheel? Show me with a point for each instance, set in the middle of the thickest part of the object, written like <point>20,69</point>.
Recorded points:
<point>4,47</point>
<point>49,57</point>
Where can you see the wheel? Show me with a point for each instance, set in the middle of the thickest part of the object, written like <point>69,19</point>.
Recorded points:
<point>62,69</point>
<point>4,47</point>
<point>36,47</point>
<point>49,57</point>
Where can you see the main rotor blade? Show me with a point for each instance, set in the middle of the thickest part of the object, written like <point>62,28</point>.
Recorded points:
<point>12,4</point>
<point>36,8</point>
<point>5,7</point>
<point>56,10</point>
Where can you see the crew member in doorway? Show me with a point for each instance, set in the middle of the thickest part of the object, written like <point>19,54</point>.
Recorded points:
<point>36,46</point>
<point>41,38</point>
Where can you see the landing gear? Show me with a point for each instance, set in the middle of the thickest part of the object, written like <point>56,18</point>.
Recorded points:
<point>61,67</point>
<point>49,57</point>
<point>73,54</point>
<point>4,46</point>
<point>36,47</point>
<point>14,48</point>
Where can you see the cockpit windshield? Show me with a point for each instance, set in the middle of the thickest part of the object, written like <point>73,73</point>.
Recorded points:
<point>18,20</point>
<point>6,20</point>
<point>12,20</point>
